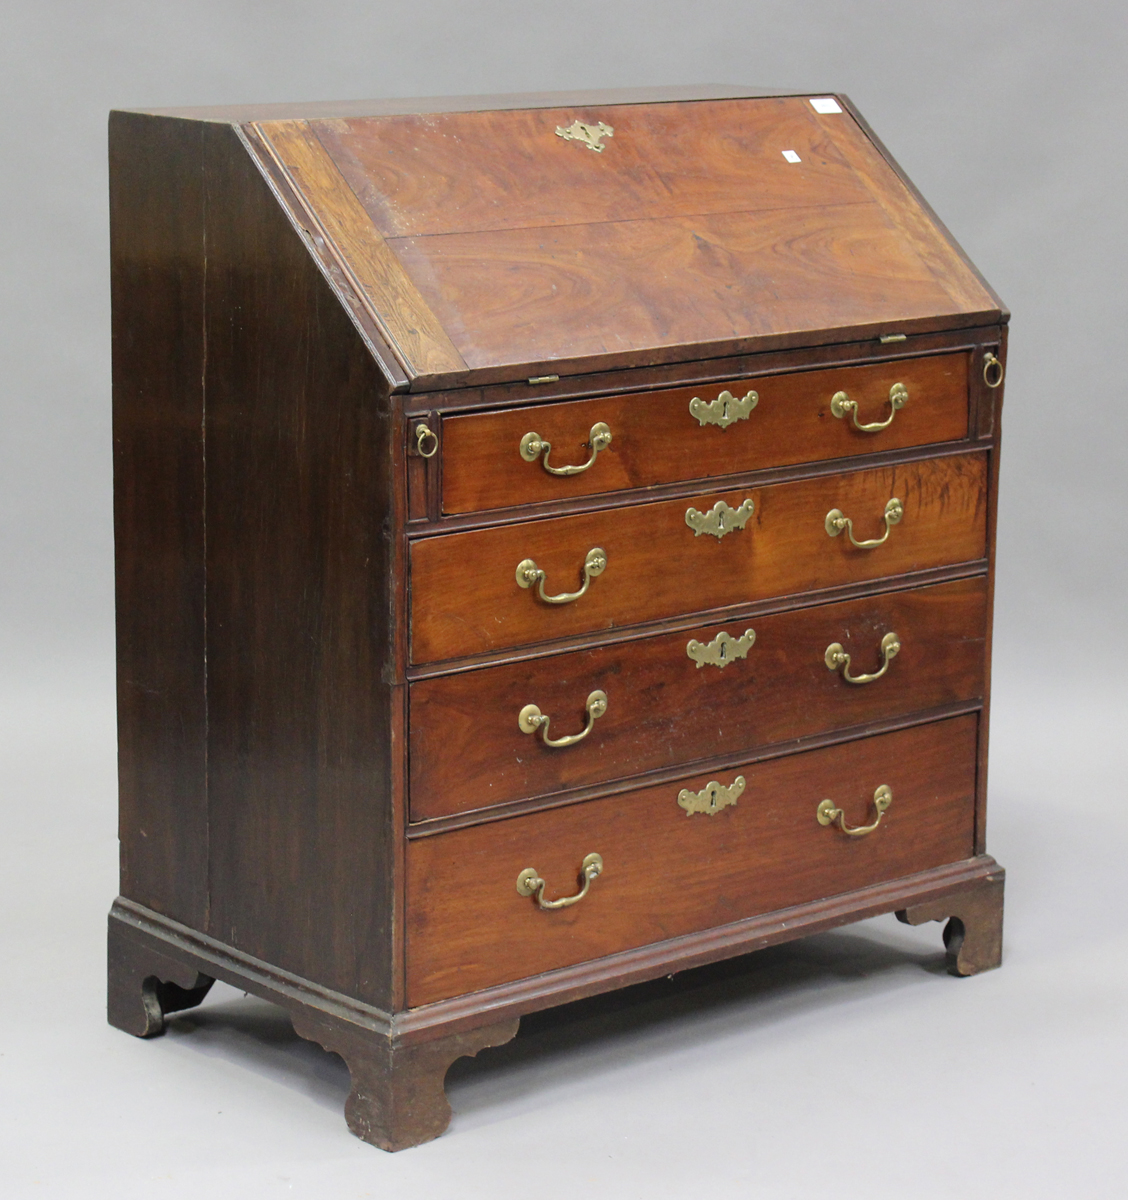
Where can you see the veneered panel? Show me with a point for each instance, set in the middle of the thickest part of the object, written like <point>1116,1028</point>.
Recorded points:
<point>469,172</point>
<point>486,242</point>
<point>666,874</point>
<point>363,256</point>
<point>663,709</point>
<point>576,291</point>
<point>656,439</point>
<point>465,598</point>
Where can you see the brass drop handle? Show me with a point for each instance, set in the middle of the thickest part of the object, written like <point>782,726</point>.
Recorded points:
<point>533,446</point>
<point>841,404</point>
<point>829,813</point>
<point>836,522</point>
<point>992,370</point>
<point>426,441</point>
<point>530,575</point>
<point>530,719</point>
<point>836,657</point>
<point>529,883</point>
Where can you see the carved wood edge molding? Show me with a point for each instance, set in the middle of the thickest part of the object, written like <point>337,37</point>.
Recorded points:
<point>493,1006</point>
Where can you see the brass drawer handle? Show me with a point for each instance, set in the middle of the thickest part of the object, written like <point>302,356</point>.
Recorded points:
<point>836,522</point>
<point>992,370</point>
<point>828,813</point>
<point>722,650</point>
<point>841,404</point>
<point>723,411</point>
<point>529,574</point>
<point>712,797</point>
<point>530,719</point>
<point>837,657</point>
<point>720,519</point>
<point>533,446</point>
<point>529,883</point>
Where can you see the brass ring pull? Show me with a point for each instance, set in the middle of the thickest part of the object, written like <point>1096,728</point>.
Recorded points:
<point>422,433</point>
<point>836,522</point>
<point>533,446</point>
<point>841,404</point>
<point>530,719</point>
<point>529,883</point>
<point>529,574</point>
<point>992,370</point>
<point>828,813</point>
<point>836,657</point>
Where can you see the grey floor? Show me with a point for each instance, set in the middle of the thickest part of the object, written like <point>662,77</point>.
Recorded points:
<point>845,1065</point>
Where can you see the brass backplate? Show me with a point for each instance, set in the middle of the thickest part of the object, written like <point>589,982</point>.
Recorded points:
<point>712,797</point>
<point>722,650</point>
<point>720,519</point>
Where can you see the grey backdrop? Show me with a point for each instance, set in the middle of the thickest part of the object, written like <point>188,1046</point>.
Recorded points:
<point>837,1067</point>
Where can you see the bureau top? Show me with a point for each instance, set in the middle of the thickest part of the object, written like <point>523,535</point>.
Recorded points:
<point>523,236</point>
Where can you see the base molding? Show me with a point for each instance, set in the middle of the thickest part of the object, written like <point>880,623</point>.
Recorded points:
<point>398,1061</point>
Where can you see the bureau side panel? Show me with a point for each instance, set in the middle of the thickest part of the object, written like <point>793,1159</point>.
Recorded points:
<point>157,257</point>
<point>299,557</point>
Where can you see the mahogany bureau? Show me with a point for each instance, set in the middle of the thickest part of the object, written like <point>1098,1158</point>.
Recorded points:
<point>554,542</point>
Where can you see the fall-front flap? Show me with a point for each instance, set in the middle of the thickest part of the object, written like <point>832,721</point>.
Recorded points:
<point>494,245</point>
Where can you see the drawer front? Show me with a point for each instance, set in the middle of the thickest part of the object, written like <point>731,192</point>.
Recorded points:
<point>666,873</point>
<point>466,598</point>
<point>655,438</point>
<point>664,707</point>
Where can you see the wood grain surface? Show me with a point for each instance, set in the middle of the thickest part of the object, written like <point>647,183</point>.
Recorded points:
<point>157,294</point>
<point>396,305</point>
<point>300,651</point>
<point>468,753</point>
<point>465,598</point>
<point>449,173</point>
<point>667,874</point>
<point>484,241</point>
<point>656,439</point>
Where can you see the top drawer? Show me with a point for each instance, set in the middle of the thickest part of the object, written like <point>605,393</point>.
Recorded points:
<point>496,460</point>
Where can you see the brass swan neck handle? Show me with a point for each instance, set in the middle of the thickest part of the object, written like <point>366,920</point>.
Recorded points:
<point>530,575</point>
<point>530,719</point>
<point>533,446</point>
<point>828,813</point>
<point>841,405</point>
<point>836,658</point>
<point>529,883</point>
<point>836,522</point>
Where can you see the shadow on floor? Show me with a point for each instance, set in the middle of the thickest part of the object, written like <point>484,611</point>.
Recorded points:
<point>755,990</point>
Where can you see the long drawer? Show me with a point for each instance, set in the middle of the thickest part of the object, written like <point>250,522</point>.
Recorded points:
<point>697,433</point>
<point>656,560</point>
<point>697,694</point>
<point>668,872</point>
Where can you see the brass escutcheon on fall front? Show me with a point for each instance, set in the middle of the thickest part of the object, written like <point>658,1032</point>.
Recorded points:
<point>529,883</point>
<point>723,411</point>
<point>712,797</point>
<point>589,135</point>
<point>533,446</point>
<point>828,813</point>
<point>836,659</point>
<point>836,521</point>
<point>528,575</point>
<point>841,404</point>
<point>720,519</point>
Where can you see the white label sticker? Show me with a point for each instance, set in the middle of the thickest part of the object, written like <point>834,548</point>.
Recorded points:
<point>825,104</point>
<point>791,156</point>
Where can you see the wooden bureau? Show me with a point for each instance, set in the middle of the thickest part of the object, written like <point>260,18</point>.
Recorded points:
<point>554,550</point>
